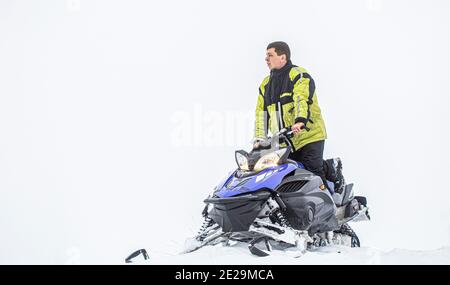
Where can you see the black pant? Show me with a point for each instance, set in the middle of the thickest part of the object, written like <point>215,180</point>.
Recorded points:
<point>311,156</point>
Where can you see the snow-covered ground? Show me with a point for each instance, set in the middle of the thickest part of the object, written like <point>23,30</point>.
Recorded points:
<point>239,255</point>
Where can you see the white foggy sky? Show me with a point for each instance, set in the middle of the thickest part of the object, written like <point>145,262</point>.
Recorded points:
<point>91,93</point>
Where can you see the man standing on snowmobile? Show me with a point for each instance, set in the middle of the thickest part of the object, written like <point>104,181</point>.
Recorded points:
<point>287,97</point>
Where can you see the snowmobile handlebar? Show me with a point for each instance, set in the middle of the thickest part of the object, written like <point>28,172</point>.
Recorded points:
<point>281,136</point>
<point>288,132</point>
<point>285,132</point>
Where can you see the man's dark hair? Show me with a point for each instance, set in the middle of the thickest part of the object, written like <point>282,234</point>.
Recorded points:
<point>281,48</point>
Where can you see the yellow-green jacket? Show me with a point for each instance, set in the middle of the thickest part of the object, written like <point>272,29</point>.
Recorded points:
<point>297,102</point>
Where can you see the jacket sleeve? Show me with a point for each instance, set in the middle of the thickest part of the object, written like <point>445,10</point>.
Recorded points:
<point>304,89</point>
<point>260,118</point>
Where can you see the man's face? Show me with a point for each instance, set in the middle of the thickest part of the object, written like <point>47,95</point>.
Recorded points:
<point>273,60</point>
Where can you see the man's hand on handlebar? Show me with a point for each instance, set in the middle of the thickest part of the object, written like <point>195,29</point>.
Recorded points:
<point>298,128</point>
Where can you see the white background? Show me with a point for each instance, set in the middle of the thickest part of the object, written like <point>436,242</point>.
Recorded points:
<point>118,117</point>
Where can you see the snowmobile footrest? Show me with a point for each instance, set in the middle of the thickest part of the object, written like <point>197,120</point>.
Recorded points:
<point>257,251</point>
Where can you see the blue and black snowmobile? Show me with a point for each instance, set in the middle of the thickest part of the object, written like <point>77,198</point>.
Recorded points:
<point>271,201</point>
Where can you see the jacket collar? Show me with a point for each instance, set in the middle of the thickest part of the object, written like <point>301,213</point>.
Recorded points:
<point>281,71</point>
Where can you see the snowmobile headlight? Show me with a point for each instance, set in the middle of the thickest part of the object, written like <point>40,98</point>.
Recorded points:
<point>242,161</point>
<point>269,160</point>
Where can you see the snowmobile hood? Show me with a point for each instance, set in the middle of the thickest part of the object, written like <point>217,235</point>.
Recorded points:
<point>269,179</point>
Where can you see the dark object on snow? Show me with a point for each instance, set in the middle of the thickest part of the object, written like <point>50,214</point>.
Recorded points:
<point>135,254</point>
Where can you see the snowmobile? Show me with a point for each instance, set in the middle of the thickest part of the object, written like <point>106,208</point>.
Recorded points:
<point>271,201</point>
